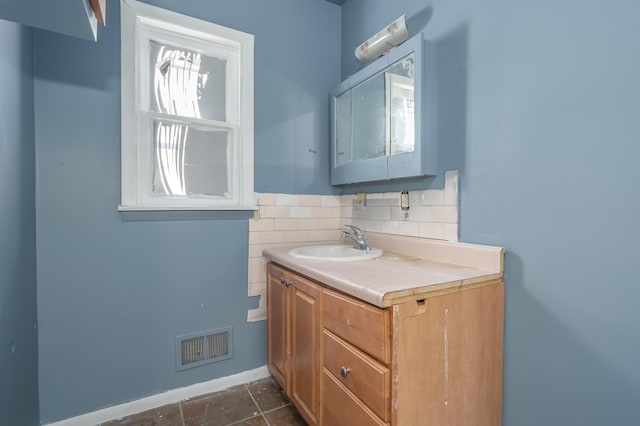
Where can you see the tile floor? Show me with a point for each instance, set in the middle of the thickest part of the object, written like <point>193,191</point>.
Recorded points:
<point>259,403</point>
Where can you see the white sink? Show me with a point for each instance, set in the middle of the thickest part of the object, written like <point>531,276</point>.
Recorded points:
<point>334,253</point>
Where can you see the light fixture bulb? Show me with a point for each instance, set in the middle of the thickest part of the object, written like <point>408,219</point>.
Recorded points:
<point>392,35</point>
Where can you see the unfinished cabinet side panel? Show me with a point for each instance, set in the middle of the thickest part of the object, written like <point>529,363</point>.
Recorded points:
<point>447,359</point>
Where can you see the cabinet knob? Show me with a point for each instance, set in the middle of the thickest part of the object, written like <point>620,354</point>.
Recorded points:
<point>285,281</point>
<point>344,371</point>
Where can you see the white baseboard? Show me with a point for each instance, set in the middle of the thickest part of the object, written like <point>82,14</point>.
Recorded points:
<point>158,400</point>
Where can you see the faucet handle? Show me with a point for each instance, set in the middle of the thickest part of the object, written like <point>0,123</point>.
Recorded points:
<point>355,229</point>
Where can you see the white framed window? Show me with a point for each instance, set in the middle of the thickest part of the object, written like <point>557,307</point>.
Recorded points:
<point>187,112</point>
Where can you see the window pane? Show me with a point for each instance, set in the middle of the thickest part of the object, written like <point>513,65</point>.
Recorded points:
<point>190,161</point>
<point>187,83</point>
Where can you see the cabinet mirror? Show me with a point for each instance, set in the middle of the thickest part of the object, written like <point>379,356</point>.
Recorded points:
<point>377,118</point>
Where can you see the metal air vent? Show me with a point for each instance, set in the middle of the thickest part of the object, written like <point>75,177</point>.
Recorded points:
<point>205,347</point>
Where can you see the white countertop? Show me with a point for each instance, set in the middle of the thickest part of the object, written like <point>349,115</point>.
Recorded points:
<point>411,269</point>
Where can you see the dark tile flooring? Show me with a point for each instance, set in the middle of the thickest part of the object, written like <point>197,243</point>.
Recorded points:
<point>259,403</point>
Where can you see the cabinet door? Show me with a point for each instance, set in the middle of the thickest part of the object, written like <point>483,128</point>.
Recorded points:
<point>305,347</point>
<point>277,325</point>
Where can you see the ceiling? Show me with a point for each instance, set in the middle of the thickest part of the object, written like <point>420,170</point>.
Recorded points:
<point>338,2</point>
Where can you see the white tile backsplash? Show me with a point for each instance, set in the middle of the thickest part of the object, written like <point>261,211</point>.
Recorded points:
<point>310,200</point>
<point>295,236</point>
<point>274,211</point>
<point>286,200</point>
<point>389,226</point>
<point>325,212</point>
<point>451,187</point>
<point>255,250</point>
<point>345,200</point>
<point>398,214</point>
<point>324,235</point>
<point>330,200</point>
<point>377,213</point>
<point>284,224</point>
<point>374,196</point>
<point>266,199</point>
<point>346,211</point>
<point>309,223</point>
<point>286,219</point>
<point>261,225</point>
<point>330,223</point>
<point>421,214</point>
<point>450,231</point>
<point>410,229</point>
<point>301,212</point>
<point>427,197</point>
<point>432,230</point>
<point>266,237</point>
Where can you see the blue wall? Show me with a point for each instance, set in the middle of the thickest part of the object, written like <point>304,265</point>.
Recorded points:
<point>538,109</point>
<point>18,337</point>
<point>548,141</point>
<point>114,293</point>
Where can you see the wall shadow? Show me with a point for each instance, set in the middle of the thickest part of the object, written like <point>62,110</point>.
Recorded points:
<point>102,64</point>
<point>418,21</point>
<point>452,99</point>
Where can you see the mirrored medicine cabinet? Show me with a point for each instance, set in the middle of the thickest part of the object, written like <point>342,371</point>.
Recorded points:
<point>384,118</point>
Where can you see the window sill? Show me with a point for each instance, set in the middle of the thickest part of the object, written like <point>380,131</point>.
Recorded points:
<point>139,214</point>
<point>123,208</point>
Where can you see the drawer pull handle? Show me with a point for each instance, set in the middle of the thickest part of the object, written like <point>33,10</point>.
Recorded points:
<point>282,280</point>
<point>344,371</point>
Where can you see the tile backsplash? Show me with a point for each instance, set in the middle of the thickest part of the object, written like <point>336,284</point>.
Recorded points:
<point>285,220</point>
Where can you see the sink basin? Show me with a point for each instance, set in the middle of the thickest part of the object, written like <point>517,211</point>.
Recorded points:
<point>334,253</point>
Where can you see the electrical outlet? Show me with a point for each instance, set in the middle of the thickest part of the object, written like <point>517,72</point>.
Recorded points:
<point>404,200</point>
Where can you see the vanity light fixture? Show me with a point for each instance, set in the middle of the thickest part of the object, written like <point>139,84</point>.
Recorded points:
<point>392,35</point>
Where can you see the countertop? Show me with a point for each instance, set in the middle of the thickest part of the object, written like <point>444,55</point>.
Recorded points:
<point>410,269</point>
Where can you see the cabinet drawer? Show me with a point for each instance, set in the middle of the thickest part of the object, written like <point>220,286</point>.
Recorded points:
<point>366,378</point>
<point>359,323</point>
<point>341,407</point>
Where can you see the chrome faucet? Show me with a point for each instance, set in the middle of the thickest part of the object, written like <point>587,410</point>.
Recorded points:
<point>357,236</point>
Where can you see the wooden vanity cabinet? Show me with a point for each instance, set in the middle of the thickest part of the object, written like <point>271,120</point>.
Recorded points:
<point>293,335</point>
<point>432,361</point>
